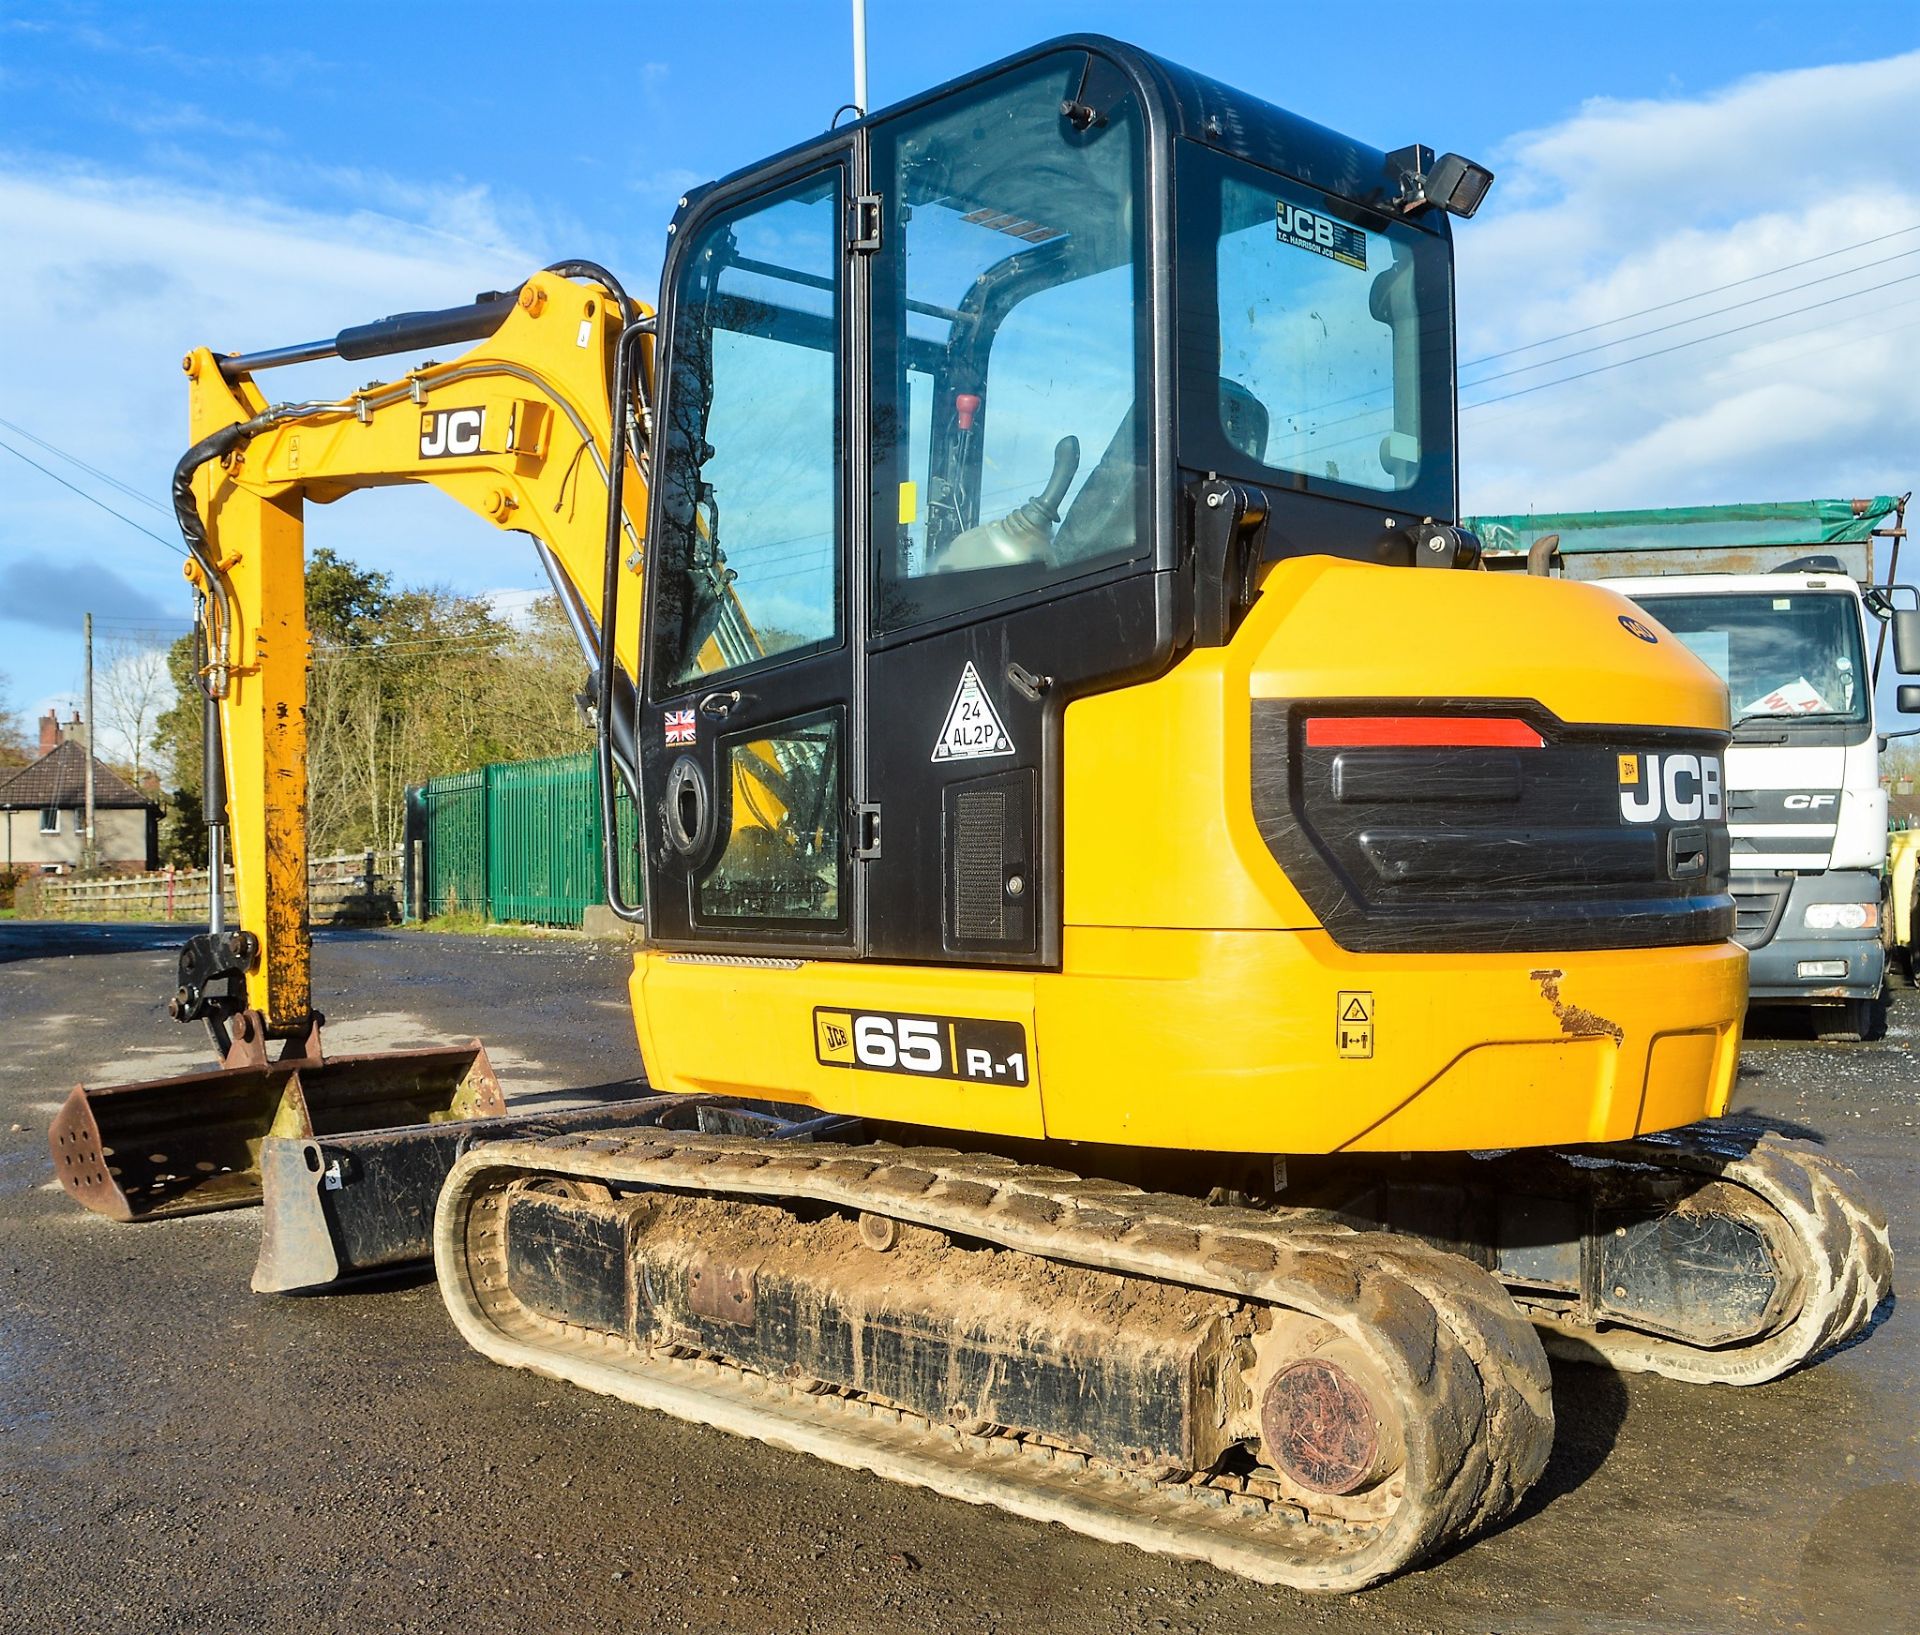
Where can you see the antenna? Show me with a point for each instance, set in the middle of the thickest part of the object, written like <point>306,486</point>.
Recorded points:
<point>860,58</point>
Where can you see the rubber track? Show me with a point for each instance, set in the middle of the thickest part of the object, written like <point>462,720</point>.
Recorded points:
<point>1838,1241</point>
<point>1470,1371</point>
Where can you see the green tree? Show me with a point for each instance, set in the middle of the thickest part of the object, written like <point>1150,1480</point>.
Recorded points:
<point>346,604</point>
<point>406,684</point>
<point>183,834</point>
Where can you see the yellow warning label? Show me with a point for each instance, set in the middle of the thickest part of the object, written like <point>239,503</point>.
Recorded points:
<point>1353,1025</point>
<point>1629,768</point>
<point>833,1034</point>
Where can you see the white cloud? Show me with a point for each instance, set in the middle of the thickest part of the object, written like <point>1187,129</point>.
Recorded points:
<point>109,280</point>
<point>1628,205</point>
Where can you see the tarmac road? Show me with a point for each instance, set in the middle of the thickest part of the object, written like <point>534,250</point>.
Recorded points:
<point>177,1454</point>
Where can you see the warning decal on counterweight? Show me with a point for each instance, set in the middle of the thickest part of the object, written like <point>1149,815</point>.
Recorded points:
<point>1353,1024</point>
<point>972,728</point>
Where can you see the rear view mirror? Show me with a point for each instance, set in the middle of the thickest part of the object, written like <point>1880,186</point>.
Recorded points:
<point>1908,699</point>
<point>1906,642</point>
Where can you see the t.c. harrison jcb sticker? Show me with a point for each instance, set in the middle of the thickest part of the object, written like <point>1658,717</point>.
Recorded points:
<point>972,729</point>
<point>1686,788</point>
<point>1309,230</point>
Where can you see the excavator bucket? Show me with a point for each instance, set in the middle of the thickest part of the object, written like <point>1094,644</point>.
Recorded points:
<point>190,1144</point>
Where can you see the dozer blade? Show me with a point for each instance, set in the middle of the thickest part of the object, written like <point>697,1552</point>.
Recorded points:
<point>338,1207</point>
<point>190,1144</point>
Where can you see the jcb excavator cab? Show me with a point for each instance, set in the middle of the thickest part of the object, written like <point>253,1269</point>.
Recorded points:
<point>980,406</point>
<point>1038,467</point>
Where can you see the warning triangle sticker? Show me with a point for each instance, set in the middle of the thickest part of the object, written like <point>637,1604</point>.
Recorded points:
<point>1355,1011</point>
<point>973,728</point>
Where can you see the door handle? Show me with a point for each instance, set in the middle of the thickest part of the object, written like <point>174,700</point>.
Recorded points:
<point>720,705</point>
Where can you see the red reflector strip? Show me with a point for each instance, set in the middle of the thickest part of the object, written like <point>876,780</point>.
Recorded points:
<point>1421,731</point>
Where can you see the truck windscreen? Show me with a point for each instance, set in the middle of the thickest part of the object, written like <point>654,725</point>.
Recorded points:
<point>1790,655</point>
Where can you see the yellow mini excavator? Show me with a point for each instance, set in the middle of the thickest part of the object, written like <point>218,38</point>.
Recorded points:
<point>1162,983</point>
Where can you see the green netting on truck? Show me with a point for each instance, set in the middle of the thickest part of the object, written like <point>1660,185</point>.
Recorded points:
<point>1747,538</point>
<point>1808,523</point>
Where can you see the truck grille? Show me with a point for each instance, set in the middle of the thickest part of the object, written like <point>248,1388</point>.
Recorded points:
<point>1758,900</point>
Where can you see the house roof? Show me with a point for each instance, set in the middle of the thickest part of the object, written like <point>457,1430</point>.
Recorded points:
<point>59,778</point>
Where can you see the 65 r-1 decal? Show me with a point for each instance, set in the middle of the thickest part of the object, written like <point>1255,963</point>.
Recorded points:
<point>927,1047</point>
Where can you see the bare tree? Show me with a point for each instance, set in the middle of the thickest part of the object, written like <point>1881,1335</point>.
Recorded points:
<point>135,688</point>
<point>13,743</point>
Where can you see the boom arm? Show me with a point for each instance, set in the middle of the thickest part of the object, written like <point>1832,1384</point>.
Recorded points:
<point>519,430</point>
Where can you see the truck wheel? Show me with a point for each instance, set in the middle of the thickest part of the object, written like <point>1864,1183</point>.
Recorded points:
<point>1852,1019</point>
<point>1899,967</point>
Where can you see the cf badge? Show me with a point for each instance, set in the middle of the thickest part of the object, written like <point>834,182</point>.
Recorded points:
<point>445,432</point>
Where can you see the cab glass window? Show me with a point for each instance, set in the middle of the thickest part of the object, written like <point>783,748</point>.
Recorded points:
<point>782,858</point>
<point>748,558</point>
<point>1330,356</point>
<point>1010,327</point>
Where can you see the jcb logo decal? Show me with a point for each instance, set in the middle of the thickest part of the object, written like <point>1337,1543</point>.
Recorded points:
<point>1320,234</point>
<point>1678,786</point>
<point>445,432</point>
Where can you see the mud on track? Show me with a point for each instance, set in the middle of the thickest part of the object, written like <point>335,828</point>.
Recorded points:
<point>177,1454</point>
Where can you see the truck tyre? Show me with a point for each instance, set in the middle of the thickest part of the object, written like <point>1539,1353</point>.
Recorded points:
<point>1863,1020</point>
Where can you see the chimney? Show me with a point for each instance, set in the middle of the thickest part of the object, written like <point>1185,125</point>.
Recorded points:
<point>76,732</point>
<point>49,732</point>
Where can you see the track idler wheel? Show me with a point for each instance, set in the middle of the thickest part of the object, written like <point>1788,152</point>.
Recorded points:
<point>1327,1424</point>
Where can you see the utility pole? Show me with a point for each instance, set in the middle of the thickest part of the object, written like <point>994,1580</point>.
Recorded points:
<point>860,58</point>
<point>88,853</point>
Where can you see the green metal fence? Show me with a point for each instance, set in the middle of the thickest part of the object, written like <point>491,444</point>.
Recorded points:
<point>518,841</point>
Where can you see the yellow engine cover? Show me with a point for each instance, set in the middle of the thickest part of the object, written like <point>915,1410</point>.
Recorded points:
<point>1200,1005</point>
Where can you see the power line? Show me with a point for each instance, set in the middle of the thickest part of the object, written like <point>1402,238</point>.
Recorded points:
<point>1698,317</point>
<point>1773,365</point>
<point>178,550</point>
<point>127,489</point>
<point>1681,346</point>
<point>1681,300</point>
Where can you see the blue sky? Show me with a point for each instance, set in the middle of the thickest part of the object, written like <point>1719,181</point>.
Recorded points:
<point>178,174</point>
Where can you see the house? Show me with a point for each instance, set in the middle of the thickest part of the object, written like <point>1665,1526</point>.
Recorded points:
<point>43,810</point>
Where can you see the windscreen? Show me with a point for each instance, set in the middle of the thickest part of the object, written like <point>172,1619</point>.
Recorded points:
<point>1793,654</point>
<point>1333,337</point>
<point>1009,341</point>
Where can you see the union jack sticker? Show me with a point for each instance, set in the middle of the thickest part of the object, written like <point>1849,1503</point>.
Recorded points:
<point>680,726</point>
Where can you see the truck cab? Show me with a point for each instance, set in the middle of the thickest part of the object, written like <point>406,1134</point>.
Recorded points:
<point>1806,811</point>
<point>1782,601</point>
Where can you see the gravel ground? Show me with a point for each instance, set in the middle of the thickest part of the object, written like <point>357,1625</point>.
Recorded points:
<point>177,1454</point>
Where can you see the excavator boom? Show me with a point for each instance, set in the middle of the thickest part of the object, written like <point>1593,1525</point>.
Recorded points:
<point>519,429</point>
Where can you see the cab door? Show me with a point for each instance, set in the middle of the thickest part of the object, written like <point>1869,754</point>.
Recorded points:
<point>748,717</point>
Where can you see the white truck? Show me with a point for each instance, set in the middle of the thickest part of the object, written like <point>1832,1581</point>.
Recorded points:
<point>1782,602</point>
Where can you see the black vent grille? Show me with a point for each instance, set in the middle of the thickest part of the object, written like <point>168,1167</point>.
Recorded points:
<point>987,836</point>
<point>979,865</point>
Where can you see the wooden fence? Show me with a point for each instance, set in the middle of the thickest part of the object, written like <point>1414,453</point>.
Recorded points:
<point>356,888</point>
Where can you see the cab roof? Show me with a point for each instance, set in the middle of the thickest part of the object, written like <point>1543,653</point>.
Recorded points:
<point>1179,103</point>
